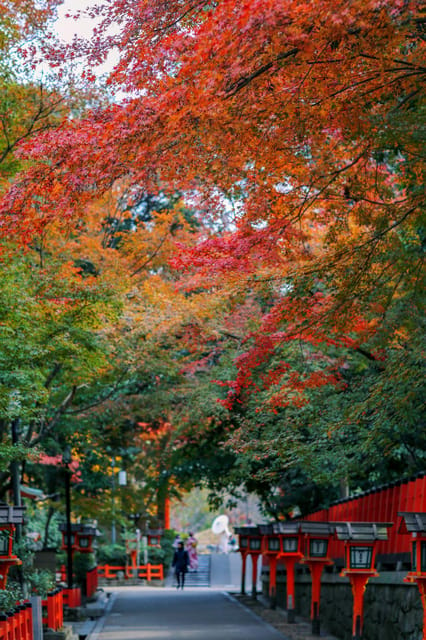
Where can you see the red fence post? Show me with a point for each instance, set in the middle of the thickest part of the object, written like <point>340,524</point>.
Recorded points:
<point>14,626</point>
<point>3,626</point>
<point>10,626</point>
<point>60,605</point>
<point>29,621</point>
<point>21,622</point>
<point>51,611</point>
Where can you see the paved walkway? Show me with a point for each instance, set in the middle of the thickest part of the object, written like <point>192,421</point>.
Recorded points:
<point>149,613</point>
<point>225,572</point>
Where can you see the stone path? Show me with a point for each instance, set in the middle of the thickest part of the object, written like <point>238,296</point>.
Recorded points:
<point>149,613</point>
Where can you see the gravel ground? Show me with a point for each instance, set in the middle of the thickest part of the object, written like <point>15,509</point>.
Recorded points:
<point>277,618</point>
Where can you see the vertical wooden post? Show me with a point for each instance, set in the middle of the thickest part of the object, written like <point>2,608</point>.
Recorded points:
<point>273,581</point>
<point>243,573</point>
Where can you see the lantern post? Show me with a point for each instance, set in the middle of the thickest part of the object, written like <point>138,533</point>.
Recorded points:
<point>291,553</point>
<point>415,524</point>
<point>271,547</point>
<point>243,549</point>
<point>250,544</point>
<point>317,537</point>
<point>360,553</point>
<point>10,517</point>
<point>67,459</point>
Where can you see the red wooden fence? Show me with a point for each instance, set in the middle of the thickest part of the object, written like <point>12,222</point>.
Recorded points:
<point>147,571</point>
<point>17,625</point>
<point>378,505</point>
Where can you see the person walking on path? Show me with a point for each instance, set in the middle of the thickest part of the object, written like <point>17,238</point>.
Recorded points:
<point>180,563</point>
<point>191,547</point>
<point>176,541</point>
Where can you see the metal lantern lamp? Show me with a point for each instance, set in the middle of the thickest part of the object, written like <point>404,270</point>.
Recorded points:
<point>154,537</point>
<point>5,542</point>
<point>72,537</point>
<point>271,547</point>
<point>250,544</point>
<point>291,553</point>
<point>9,518</point>
<point>414,523</point>
<point>360,552</point>
<point>85,535</point>
<point>317,537</point>
<point>84,543</point>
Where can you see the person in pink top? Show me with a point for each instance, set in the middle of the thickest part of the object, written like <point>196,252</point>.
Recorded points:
<point>191,547</point>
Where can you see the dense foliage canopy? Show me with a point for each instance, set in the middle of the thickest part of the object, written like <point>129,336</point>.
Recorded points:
<point>220,271</point>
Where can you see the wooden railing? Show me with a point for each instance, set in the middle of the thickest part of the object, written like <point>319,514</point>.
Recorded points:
<point>17,625</point>
<point>147,571</point>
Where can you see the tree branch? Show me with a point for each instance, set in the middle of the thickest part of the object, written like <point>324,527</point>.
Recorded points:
<point>245,80</point>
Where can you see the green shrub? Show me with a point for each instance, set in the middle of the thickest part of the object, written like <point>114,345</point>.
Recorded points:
<point>10,596</point>
<point>82,563</point>
<point>167,549</point>
<point>40,582</point>
<point>114,554</point>
<point>156,555</point>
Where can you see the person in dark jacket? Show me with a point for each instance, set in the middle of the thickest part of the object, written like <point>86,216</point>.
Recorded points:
<point>180,563</point>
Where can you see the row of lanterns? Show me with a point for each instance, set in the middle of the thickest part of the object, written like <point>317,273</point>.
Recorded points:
<point>81,538</point>
<point>308,542</point>
<point>293,542</point>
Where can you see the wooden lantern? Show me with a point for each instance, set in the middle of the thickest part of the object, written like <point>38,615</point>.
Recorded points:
<point>291,552</point>
<point>414,523</point>
<point>360,552</point>
<point>9,518</point>
<point>317,537</point>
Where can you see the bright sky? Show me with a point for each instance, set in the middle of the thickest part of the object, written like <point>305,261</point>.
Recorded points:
<point>67,27</point>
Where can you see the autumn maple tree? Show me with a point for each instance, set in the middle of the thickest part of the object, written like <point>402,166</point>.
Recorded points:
<point>293,292</point>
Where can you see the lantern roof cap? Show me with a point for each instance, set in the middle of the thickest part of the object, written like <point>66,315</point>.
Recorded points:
<point>11,515</point>
<point>415,522</point>
<point>266,529</point>
<point>154,532</point>
<point>317,528</point>
<point>248,530</point>
<point>361,531</point>
<point>83,529</point>
<point>287,528</point>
